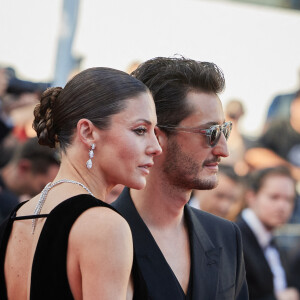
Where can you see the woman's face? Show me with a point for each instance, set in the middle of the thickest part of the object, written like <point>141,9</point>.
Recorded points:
<point>127,148</point>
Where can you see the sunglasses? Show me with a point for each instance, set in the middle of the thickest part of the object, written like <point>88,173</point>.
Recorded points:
<point>212,134</point>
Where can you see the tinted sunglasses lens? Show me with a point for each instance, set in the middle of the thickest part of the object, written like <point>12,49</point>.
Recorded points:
<point>227,130</point>
<point>214,136</point>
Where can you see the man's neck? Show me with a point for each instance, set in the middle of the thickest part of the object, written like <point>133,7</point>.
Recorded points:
<point>160,204</point>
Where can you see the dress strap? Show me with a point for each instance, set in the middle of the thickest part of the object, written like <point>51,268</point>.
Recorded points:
<point>30,217</point>
<point>14,213</point>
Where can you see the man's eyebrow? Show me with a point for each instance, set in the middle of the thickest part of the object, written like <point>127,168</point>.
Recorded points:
<point>208,124</point>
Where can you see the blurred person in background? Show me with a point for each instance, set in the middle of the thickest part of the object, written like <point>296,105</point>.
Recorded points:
<point>294,265</point>
<point>25,175</point>
<point>279,144</point>
<point>280,106</point>
<point>17,100</point>
<point>238,143</point>
<point>6,125</point>
<point>225,200</point>
<point>18,86</point>
<point>132,66</point>
<point>3,81</point>
<point>7,148</point>
<point>270,200</point>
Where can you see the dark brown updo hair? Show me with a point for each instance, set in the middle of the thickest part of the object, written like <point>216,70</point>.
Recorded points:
<point>95,94</point>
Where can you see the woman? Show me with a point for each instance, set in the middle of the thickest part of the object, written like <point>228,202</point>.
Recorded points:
<point>65,243</point>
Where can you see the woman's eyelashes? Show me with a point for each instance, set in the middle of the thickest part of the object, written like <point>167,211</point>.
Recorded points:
<point>140,130</point>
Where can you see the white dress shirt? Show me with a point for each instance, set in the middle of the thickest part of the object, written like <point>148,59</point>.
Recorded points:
<point>194,202</point>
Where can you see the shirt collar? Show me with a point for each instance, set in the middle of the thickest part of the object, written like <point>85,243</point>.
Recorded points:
<point>194,202</point>
<point>262,234</point>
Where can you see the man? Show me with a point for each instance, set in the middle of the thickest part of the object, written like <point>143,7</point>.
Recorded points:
<point>5,122</point>
<point>239,142</point>
<point>31,167</point>
<point>225,200</point>
<point>271,201</point>
<point>280,106</point>
<point>182,252</point>
<point>280,143</point>
<point>294,266</point>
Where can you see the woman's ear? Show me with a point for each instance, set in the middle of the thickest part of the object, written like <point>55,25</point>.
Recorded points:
<point>86,132</point>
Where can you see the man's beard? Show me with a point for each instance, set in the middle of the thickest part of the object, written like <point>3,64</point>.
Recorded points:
<point>183,171</point>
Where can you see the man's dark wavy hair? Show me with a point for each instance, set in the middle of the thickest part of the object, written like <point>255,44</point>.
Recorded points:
<point>171,79</point>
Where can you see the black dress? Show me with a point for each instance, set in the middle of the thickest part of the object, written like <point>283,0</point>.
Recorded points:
<point>49,273</point>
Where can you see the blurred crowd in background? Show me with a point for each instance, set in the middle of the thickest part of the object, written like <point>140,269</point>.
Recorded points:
<point>26,167</point>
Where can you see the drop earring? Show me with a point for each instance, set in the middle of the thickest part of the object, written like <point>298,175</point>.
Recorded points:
<point>89,163</point>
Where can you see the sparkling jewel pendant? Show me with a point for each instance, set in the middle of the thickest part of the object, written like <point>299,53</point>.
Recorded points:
<point>89,164</point>
<point>91,153</point>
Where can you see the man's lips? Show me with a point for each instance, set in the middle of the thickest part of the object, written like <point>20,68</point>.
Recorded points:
<point>212,162</point>
<point>213,165</point>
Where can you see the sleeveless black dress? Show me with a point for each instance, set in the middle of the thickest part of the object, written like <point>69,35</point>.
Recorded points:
<point>49,273</point>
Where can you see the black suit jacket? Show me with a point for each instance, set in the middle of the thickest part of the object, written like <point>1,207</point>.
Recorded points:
<point>259,274</point>
<point>217,265</point>
<point>294,268</point>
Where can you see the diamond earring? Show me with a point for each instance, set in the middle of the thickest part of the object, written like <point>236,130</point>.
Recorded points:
<point>89,163</point>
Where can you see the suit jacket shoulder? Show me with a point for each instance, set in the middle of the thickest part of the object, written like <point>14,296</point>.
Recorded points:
<point>226,236</point>
<point>215,226</point>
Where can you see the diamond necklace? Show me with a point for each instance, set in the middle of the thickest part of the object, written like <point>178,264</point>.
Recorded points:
<point>44,194</point>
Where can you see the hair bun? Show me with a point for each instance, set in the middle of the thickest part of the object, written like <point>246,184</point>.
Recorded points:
<point>43,117</point>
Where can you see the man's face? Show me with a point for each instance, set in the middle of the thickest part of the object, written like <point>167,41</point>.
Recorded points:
<point>274,202</point>
<point>35,182</point>
<point>190,163</point>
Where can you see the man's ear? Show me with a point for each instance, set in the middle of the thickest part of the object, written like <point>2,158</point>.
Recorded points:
<point>250,198</point>
<point>86,132</point>
<point>24,165</point>
<point>161,137</point>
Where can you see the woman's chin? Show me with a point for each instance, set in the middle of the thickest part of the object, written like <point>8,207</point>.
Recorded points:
<point>138,185</point>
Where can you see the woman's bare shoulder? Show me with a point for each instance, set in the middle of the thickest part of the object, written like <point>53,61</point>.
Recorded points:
<point>101,223</point>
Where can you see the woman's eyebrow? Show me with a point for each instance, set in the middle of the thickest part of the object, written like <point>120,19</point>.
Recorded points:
<point>145,121</point>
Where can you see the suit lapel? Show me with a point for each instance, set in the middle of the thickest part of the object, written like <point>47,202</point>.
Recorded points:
<point>159,277</point>
<point>205,259</point>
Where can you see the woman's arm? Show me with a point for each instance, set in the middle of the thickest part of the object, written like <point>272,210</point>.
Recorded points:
<point>100,255</point>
